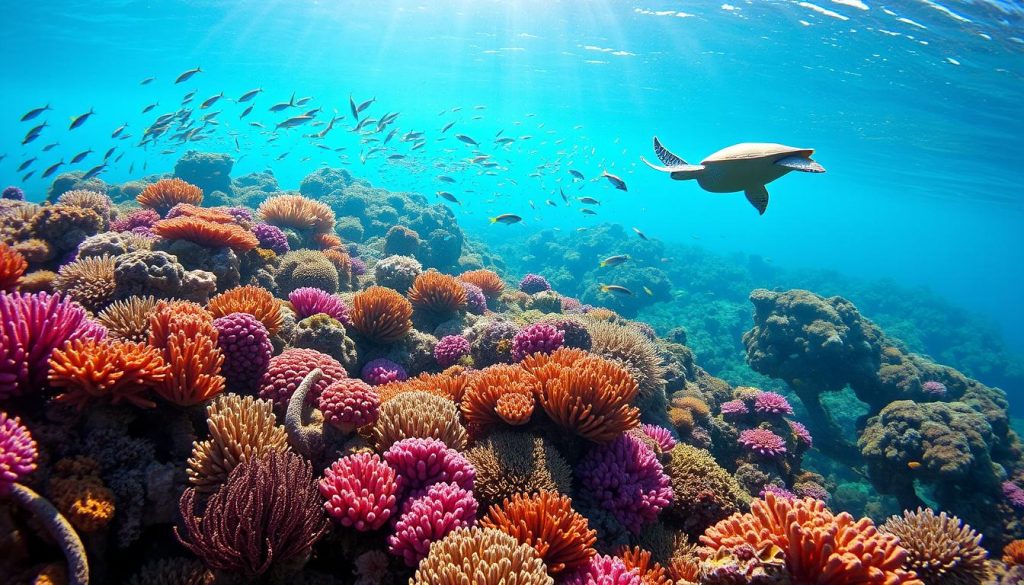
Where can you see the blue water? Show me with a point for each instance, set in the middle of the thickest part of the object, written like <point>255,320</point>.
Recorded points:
<point>913,107</point>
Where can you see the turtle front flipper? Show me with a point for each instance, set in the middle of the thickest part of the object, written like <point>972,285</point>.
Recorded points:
<point>758,197</point>
<point>800,163</point>
<point>666,157</point>
<point>678,172</point>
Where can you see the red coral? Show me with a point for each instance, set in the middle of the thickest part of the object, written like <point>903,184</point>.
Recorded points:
<point>360,491</point>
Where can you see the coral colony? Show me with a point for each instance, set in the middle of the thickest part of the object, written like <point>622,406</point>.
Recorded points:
<point>341,388</point>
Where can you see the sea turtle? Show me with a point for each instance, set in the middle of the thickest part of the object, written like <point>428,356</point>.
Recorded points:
<point>747,167</point>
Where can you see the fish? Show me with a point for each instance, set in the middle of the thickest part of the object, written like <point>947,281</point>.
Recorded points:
<point>551,203</point>
<point>649,292</point>
<point>245,112</point>
<point>447,127</point>
<point>119,157</point>
<point>615,181</point>
<point>26,164</point>
<point>445,178</point>
<point>505,140</point>
<point>576,174</point>
<point>506,218</point>
<point>588,211</point>
<point>640,233</point>
<point>283,105</point>
<point>147,81</point>
<point>564,197</point>
<point>29,137</point>
<point>617,289</point>
<point>131,168</point>
<point>914,464</point>
<point>303,101</point>
<point>396,157</point>
<point>210,101</point>
<point>33,113</point>
<point>109,152</point>
<point>93,172</point>
<point>27,176</point>
<point>614,260</point>
<point>365,104</point>
<point>390,135</point>
<point>187,75</point>
<point>119,130</point>
<point>588,201</point>
<point>294,121</point>
<point>311,113</point>
<point>467,139</point>
<point>211,116</point>
<point>52,169</point>
<point>418,145</point>
<point>352,106</point>
<point>448,196</point>
<point>249,95</point>
<point>80,156</point>
<point>282,155</point>
<point>50,147</point>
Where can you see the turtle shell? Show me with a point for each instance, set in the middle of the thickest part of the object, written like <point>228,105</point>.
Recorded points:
<point>755,150</point>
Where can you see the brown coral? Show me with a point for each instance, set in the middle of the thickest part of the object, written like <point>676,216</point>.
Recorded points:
<point>420,415</point>
<point>704,492</point>
<point>481,556</point>
<point>381,314</point>
<point>253,300</point>
<point>166,193</point>
<point>547,522</point>
<point>206,233</point>
<point>487,280</point>
<point>90,370</point>
<point>297,212</point>
<point>128,319</point>
<point>941,548</point>
<point>90,281</point>
<point>437,294</point>
<point>510,463</point>
<point>76,489</point>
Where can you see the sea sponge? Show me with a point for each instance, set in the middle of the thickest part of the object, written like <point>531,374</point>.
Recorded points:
<point>18,452</point>
<point>250,299</point>
<point>360,491</point>
<point>437,294</point>
<point>327,335</point>
<point>166,193</point>
<point>941,549</point>
<point>298,213</point>
<point>420,415</point>
<point>112,244</point>
<point>490,341</point>
<point>65,226</point>
<point>381,314</point>
<point>488,400</point>
<point>306,268</point>
<point>247,350</point>
<point>128,319</point>
<point>704,492</point>
<point>241,428</point>
<point>37,281</point>
<point>401,240</point>
<point>430,517</point>
<point>90,281</point>
<point>421,463</point>
<point>482,556</point>
<point>397,272</point>
<point>286,371</point>
<point>90,370</point>
<point>382,371</point>
<point>147,272</point>
<point>205,233</point>
<point>547,522</point>
<point>12,267</point>
<point>140,218</point>
<point>76,489</point>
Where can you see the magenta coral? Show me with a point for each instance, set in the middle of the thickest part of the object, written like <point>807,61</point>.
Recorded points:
<point>450,349</point>
<point>625,478</point>
<point>536,338</point>
<point>142,218</point>
<point>660,435</point>
<point>247,350</point>
<point>779,491</point>
<point>420,463</point>
<point>801,432</point>
<point>286,371</point>
<point>360,491</point>
<point>31,327</point>
<point>18,453</point>
<point>604,570</point>
<point>427,519</point>
<point>1013,494</point>
<point>734,408</point>
<point>934,388</point>
<point>381,371</point>
<point>349,404</point>
<point>308,301</point>
<point>763,442</point>
<point>533,283</point>
<point>476,300</point>
<point>772,403</point>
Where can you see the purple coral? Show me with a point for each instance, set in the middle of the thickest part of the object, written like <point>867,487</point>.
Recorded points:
<point>247,350</point>
<point>812,489</point>
<point>533,283</point>
<point>476,300</point>
<point>660,435</point>
<point>934,388</point>
<point>536,338</point>
<point>13,193</point>
<point>271,237</point>
<point>772,403</point>
<point>358,266</point>
<point>734,409</point>
<point>604,570</point>
<point>802,434</point>
<point>31,327</point>
<point>492,342</point>
<point>308,301</point>
<point>18,453</point>
<point>429,518</point>
<point>763,442</point>
<point>574,332</point>
<point>626,479</point>
<point>141,218</point>
<point>349,404</point>
<point>381,371</point>
<point>1013,494</point>
<point>450,349</point>
<point>420,463</point>
<point>778,491</point>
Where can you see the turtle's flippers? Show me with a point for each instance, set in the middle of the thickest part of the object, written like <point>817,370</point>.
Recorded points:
<point>666,157</point>
<point>800,163</point>
<point>679,172</point>
<point>758,197</point>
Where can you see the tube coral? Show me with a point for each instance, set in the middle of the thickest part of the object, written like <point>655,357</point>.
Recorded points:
<point>547,522</point>
<point>437,294</point>
<point>482,556</point>
<point>166,193</point>
<point>12,267</point>
<point>381,314</point>
<point>430,517</point>
<point>250,299</point>
<point>360,491</point>
<point>90,370</point>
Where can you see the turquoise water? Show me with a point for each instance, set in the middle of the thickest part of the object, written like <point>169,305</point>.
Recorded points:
<point>912,107</point>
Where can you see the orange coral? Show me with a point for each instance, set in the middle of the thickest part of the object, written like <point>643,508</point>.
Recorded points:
<point>206,233</point>
<point>437,293</point>
<point>381,314</point>
<point>819,547</point>
<point>448,384</point>
<point>592,399</point>
<point>204,213</point>
<point>651,573</point>
<point>496,386</point>
<point>160,317</point>
<point>327,241</point>
<point>253,300</point>
<point>487,280</point>
<point>166,193</point>
<point>547,522</point>
<point>12,267</point>
<point>116,370</point>
<point>544,366</point>
<point>76,489</point>
<point>1013,553</point>
<point>343,264</point>
<point>297,212</point>
<point>188,339</point>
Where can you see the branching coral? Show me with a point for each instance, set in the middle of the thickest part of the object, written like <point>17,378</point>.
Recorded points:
<point>128,319</point>
<point>208,234</point>
<point>489,399</point>
<point>89,281</point>
<point>166,193</point>
<point>297,212</point>
<point>941,549</point>
<point>360,491</point>
<point>267,513</point>
<point>547,522</point>
<point>240,429</point>
<point>481,556</point>
<point>12,267</point>
<point>90,370</point>
<point>437,294</point>
<point>381,314</point>
<point>418,415</point>
<point>253,300</point>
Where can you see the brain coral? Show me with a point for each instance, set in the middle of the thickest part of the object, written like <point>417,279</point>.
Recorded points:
<point>704,492</point>
<point>306,268</point>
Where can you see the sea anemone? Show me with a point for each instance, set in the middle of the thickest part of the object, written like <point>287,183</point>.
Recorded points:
<point>650,571</point>
<point>308,301</point>
<point>481,556</point>
<point>547,522</point>
<point>250,299</point>
<point>360,491</point>
<point>421,463</point>
<point>128,319</point>
<point>206,233</point>
<point>771,403</point>
<point>89,281</point>
<point>298,213</point>
<point>18,452</point>
<point>430,517</point>
<point>271,238</point>
<point>89,370</point>
<point>94,200</point>
<point>382,371</point>
<point>166,193</point>
<point>1013,553</point>
<point>604,570</point>
<point>381,314</point>
<point>801,433</point>
<point>538,337</point>
<point>246,346</point>
<point>941,549</point>
<point>592,399</point>
<point>349,404</point>
<point>763,442</point>
<point>488,281</point>
<point>286,371</point>
<point>450,349</point>
<point>488,401</point>
<point>437,294</point>
<point>533,283</point>
<point>12,267</point>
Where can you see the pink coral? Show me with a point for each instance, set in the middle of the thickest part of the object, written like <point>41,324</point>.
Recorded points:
<point>536,338</point>
<point>734,408</point>
<point>449,349</point>
<point>604,570</point>
<point>142,218</point>
<point>779,491</point>
<point>802,434</point>
<point>360,491</point>
<point>381,371</point>
<point>247,350</point>
<point>1013,494</point>
<point>286,371</point>
<point>934,388</point>
<point>660,435</point>
<point>18,453</point>
<point>763,442</point>
<point>31,327</point>
<point>308,301</point>
<point>420,463</point>
<point>626,479</point>
<point>349,404</point>
<point>772,403</point>
<point>429,518</point>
